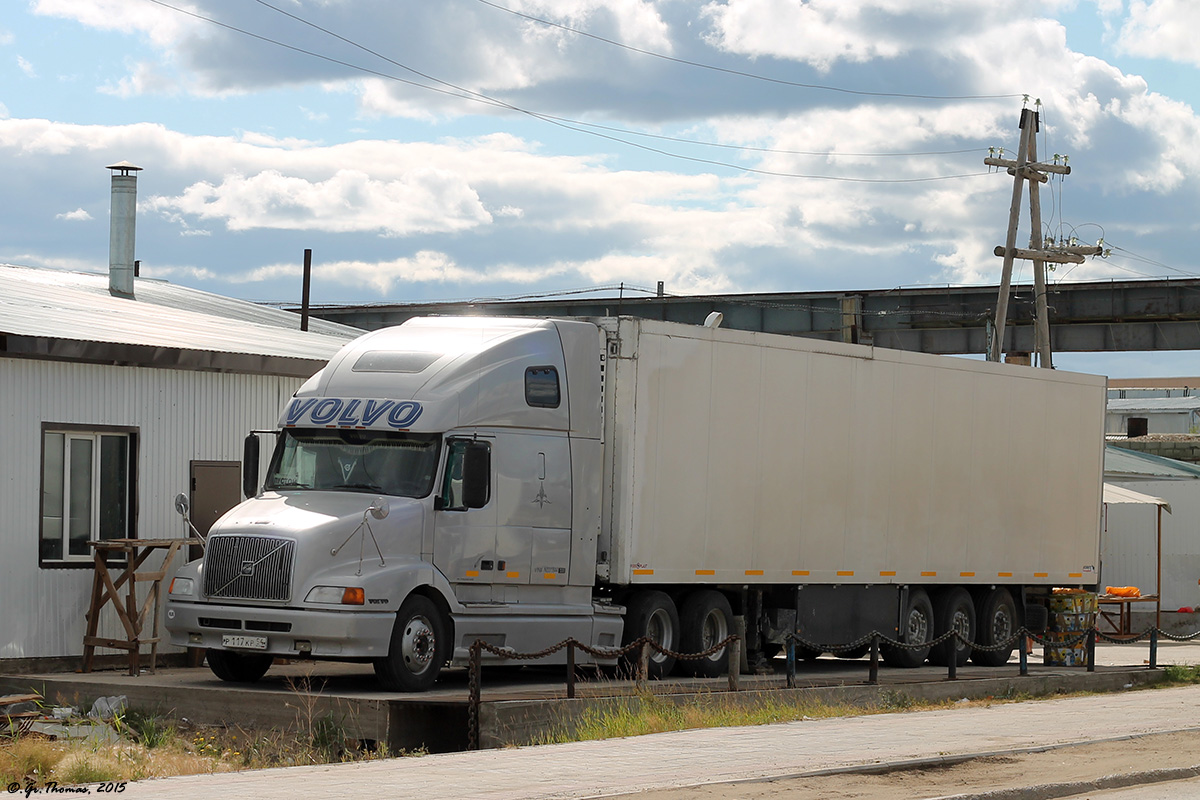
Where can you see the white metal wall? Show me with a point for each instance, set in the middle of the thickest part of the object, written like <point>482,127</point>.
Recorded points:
<point>181,416</point>
<point>1129,542</point>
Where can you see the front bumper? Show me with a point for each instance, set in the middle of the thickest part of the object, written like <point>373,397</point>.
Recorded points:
<point>288,631</point>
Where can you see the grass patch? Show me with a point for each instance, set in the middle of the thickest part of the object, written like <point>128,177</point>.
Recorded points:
<point>650,713</point>
<point>1181,674</point>
<point>150,744</point>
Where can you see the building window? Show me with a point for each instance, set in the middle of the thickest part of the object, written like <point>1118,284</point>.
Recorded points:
<point>541,387</point>
<point>88,481</point>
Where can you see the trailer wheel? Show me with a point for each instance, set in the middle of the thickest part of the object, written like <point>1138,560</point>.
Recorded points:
<point>239,667</point>
<point>955,611</point>
<point>706,619</point>
<point>420,646</point>
<point>916,627</point>
<point>653,614</point>
<point>997,622</point>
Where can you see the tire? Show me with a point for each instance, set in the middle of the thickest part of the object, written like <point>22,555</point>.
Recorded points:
<point>916,626</point>
<point>705,619</point>
<point>419,648</point>
<point>238,667</point>
<point>997,621</point>
<point>652,613</point>
<point>954,610</point>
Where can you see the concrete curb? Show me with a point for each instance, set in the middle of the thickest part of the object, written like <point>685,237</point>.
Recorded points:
<point>1049,791</point>
<point>1042,792</point>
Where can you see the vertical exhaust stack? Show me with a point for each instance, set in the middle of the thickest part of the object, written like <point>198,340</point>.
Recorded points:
<point>123,216</point>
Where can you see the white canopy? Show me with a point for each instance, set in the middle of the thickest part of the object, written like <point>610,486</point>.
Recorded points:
<point>1119,494</point>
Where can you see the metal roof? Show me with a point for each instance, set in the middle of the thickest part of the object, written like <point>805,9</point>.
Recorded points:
<point>1119,494</point>
<point>1178,404</point>
<point>1123,464</point>
<point>46,305</point>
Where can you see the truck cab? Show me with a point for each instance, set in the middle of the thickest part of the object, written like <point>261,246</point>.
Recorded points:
<point>436,483</point>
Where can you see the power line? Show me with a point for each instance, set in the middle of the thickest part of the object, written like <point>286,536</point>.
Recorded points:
<point>573,125</point>
<point>740,73</point>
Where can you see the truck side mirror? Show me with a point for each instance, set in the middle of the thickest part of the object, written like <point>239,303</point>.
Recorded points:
<point>250,465</point>
<point>477,475</point>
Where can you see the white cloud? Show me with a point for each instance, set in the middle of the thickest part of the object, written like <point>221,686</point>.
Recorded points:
<point>26,67</point>
<point>314,116</point>
<point>423,200</point>
<point>144,78</point>
<point>1162,29</point>
<point>162,25</point>
<point>3,111</point>
<point>78,215</point>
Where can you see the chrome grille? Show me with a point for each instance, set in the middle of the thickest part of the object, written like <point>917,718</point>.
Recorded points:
<point>248,567</point>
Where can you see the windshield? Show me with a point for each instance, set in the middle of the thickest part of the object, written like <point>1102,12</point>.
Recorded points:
<point>378,462</point>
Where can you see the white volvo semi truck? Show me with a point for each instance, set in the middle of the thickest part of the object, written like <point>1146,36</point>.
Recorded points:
<point>522,481</point>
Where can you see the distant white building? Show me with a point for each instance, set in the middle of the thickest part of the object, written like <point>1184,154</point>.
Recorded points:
<point>110,405</point>
<point>1138,416</point>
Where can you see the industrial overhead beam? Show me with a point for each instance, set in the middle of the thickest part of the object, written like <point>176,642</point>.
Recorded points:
<point>1117,315</point>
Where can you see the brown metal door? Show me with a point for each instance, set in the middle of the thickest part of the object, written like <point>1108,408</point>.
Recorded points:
<point>216,488</point>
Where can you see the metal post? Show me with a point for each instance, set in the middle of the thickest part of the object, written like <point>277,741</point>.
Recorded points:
<point>873,677</point>
<point>304,288</point>
<point>1023,649</point>
<point>570,669</point>
<point>1154,648</point>
<point>1091,650</point>
<point>735,663</point>
<point>473,698</point>
<point>643,668</point>
<point>791,663</point>
<point>952,664</point>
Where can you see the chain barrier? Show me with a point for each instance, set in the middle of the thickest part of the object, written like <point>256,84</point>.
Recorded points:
<point>479,646</point>
<point>1018,640</point>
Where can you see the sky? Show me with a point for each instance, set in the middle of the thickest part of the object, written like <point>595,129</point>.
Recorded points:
<point>466,149</point>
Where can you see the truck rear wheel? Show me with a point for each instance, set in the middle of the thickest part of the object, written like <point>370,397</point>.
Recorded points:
<point>916,627</point>
<point>239,667</point>
<point>706,619</point>
<point>653,614</point>
<point>997,623</point>
<point>419,648</point>
<point>955,611</point>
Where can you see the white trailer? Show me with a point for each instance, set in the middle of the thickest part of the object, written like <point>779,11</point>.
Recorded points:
<point>521,481</point>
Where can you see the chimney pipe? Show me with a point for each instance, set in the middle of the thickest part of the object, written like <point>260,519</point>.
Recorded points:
<point>122,217</point>
<point>304,290</point>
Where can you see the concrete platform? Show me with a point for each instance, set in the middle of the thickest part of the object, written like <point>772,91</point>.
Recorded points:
<point>519,706</point>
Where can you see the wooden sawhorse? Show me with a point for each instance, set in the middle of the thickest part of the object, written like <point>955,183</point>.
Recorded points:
<point>131,615</point>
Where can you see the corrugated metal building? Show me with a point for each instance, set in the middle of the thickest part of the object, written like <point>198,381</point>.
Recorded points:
<point>1129,539</point>
<point>109,407</point>
<point>1138,416</point>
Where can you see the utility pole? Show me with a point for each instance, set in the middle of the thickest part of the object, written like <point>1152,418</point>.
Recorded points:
<point>1027,168</point>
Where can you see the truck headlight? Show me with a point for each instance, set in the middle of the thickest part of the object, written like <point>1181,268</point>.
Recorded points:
<point>182,586</point>
<point>337,595</point>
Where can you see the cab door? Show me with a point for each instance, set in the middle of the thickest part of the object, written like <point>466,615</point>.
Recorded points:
<point>464,538</point>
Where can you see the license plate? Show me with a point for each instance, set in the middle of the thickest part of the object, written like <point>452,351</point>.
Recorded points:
<point>245,642</point>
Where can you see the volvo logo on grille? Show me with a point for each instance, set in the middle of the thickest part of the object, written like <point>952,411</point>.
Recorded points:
<point>247,567</point>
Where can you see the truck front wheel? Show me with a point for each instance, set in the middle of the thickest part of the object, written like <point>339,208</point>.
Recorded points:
<point>238,667</point>
<point>419,648</point>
